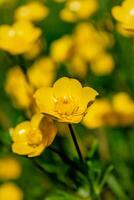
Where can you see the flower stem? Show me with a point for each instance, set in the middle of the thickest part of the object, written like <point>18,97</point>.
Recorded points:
<point>76,143</point>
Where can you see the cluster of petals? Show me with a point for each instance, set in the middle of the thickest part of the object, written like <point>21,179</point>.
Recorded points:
<point>19,37</point>
<point>66,101</point>
<point>32,11</point>
<point>85,46</point>
<point>32,137</point>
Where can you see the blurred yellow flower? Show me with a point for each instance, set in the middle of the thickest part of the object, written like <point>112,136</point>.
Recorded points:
<point>67,101</point>
<point>32,11</point>
<point>42,72</point>
<point>78,9</point>
<point>123,105</point>
<point>77,67</point>
<point>9,168</point>
<point>32,137</point>
<point>60,49</point>
<point>34,51</point>
<point>18,88</point>
<point>103,64</point>
<point>97,114</point>
<point>125,32</point>
<point>10,191</point>
<point>18,38</point>
<point>124,14</point>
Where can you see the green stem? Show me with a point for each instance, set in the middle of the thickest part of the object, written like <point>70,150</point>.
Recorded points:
<point>76,143</point>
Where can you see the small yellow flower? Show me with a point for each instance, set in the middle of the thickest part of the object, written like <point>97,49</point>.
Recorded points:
<point>10,191</point>
<point>18,38</point>
<point>18,88</point>
<point>33,11</point>
<point>97,114</point>
<point>9,168</point>
<point>103,64</point>
<point>124,14</point>
<point>42,72</point>
<point>32,137</point>
<point>66,100</point>
<point>78,9</point>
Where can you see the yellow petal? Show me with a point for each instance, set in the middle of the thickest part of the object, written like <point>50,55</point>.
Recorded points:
<point>66,87</point>
<point>45,100</point>
<point>22,148</point>
<point>21,131</point>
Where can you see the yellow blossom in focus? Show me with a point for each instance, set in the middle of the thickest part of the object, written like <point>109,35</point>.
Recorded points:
<point>60,49</point>
<point>78,9</point>
<point>9,168</point>
<point>123,106</point>
<point>42,72</point>
<point>124,14</point>
<point>34,51</point>
<point>32,137</point>
<point>97,114</point>
<point>67,101</point>
<point>103,64</point>
<point>17,87</point>
<point>10,191</point>
<point>33,11</point>
<point>18,38</point>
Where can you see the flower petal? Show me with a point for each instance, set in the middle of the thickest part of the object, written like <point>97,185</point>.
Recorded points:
<point>45,100</point>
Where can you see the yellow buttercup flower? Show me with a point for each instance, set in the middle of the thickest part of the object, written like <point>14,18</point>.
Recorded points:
<point>10,191</point>
<point>33,11</point>
<point>67,101</point>
<point>42,72</point>
<point>78,9</point>
<point>19,37</point>
<point>124,14</point>
<point>18,88</point>
<point>32,137</point>
<point>9,168</point>
<point>97,114</point>
<point>103,64</point>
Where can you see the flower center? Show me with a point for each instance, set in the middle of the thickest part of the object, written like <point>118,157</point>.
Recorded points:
<point>65,106</point>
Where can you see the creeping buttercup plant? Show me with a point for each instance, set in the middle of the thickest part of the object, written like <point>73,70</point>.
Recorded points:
<point>66,100</point>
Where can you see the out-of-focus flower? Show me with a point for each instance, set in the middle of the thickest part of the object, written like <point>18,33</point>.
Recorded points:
<point>123,105</point>
<point>59,1</point>
<point>33,11</point>
<point>77,67</point>
<point>18,38</point>
<point>34,51</point>
<point>60,49</point>
<point>10,191</point>
<point>78,9</point>
<point>124,14</point>
<point>9,168</point>
<point>32,137</point>
<point>103,64</point>
<point>18,88</point>
<point>97,114</point>
<point>67,101</point>
<point>42,72</point>
<point>125,32</point>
